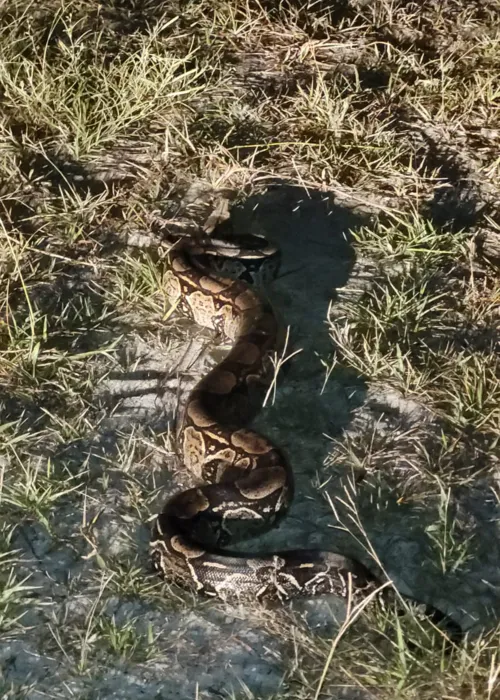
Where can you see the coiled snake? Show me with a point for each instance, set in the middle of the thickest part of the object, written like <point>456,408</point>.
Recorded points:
<point>245,481</point>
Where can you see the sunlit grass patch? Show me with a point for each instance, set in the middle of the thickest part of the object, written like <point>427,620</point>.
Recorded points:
<point>16,592</point>
<point>35,494</point>
<point>69,87</point>
<point>412,327</point>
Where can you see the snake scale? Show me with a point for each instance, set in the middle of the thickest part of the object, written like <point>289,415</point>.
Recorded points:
<point>245,483</point>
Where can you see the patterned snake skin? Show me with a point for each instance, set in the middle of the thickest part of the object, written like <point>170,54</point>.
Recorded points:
<point>245,483</point>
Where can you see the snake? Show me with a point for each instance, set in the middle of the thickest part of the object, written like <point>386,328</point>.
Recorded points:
<point>244,483</point>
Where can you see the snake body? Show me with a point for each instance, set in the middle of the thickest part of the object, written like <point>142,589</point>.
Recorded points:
<point>245,483</point>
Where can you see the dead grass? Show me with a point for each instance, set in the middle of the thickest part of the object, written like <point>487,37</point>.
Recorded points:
<point>109,112</point>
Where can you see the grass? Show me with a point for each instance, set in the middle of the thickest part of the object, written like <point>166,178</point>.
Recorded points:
<point>112,116</point>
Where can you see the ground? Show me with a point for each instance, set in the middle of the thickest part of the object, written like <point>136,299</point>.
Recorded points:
<point>363,137</point>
